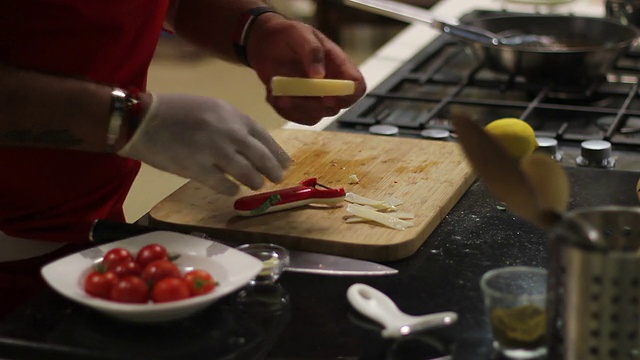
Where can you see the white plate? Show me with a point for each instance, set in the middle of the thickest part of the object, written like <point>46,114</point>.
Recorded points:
<point>231,268</point>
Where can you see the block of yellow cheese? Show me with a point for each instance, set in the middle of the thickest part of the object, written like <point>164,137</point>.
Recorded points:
<point>295,86</point>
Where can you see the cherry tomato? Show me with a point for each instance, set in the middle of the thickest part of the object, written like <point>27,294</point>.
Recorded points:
<point>115,256</point>
<point>130,289</point>
<point>151,253</point>
<point>199,281</point>
<point>125,268</point>
<point>170,289</point>
<point>99,284</point>
<point>159,270</point>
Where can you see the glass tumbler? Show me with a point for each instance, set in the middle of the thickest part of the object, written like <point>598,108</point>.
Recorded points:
<point>515,301</point>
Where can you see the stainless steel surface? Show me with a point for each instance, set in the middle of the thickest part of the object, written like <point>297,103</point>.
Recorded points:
<point>436,134</point>
<point>384,130</point>
<point>324,264</point>
<point>596,153</point>
<point>594,291</point>
<point>549,146</point>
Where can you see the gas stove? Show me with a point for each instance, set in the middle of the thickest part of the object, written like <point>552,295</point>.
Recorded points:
<point>591,125</point>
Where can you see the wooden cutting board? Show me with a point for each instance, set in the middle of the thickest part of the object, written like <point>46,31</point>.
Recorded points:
<point>429,176</point>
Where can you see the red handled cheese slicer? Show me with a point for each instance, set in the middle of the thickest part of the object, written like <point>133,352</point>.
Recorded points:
<point>308,192</point>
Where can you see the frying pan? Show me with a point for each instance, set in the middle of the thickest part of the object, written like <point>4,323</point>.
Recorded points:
<point>565,49</point>
<point>583,49</point>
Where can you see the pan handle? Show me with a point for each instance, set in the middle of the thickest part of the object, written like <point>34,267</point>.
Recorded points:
<point>410,13</point>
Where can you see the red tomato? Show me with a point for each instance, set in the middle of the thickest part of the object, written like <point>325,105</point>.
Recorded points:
<point>125,268</point>
<point>115,256</point>
<point>170,289</point>
<point>159,270</point>
<point>151,253</point>
<point>199,282</point>
<point>130,289</point>
<point>99,284</point>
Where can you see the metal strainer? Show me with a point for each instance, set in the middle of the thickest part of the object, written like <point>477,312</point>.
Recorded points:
<point>594,287</point>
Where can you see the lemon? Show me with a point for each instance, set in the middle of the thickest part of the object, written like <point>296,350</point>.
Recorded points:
<point>515,135</point>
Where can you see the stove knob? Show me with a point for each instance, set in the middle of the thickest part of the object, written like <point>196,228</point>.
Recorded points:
<point>436,134</point>
<point>383,129</point>
<point>595,153</point>
<point>549,146</point>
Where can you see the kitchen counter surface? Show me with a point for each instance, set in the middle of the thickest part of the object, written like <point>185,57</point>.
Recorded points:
<point>308,316</point>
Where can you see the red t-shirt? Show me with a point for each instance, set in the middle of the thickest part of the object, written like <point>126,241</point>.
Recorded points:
<point>55,195</point>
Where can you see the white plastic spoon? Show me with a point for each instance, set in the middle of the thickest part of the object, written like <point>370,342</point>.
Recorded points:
<point>379,307</point>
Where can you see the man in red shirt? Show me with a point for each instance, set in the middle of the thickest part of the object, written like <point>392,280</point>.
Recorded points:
<point>76,120</point>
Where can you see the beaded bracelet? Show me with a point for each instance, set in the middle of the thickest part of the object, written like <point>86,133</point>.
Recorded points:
<point>241,33</point>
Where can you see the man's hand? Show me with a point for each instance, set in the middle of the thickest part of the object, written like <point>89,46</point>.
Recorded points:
<point>206,139</point>
<point>277,46</point>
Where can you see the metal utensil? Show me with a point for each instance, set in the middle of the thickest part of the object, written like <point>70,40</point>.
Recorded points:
<point>602,282</point>
<point>379,307</point>
<point>317,263</point>
<point>310,191</point>
<point>408,13</point>
<point>299,261</point>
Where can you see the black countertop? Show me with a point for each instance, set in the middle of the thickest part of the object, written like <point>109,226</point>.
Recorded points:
<point>308,316</point>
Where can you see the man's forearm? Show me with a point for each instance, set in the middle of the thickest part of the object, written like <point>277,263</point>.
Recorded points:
<point>41,110</point>
<point>211,24</point>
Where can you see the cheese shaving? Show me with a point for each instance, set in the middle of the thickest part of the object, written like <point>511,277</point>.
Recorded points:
<point>381,218</point>
<point>361,200</point>
<point>404,215</point>
<point>383,209</point>
<point>393,201</point>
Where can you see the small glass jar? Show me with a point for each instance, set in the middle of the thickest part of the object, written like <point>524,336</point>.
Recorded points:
<point>275,259</point>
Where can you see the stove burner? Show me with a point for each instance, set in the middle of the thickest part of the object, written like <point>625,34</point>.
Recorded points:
<point>605,122</point>
<point>631,126</point>
<point>572,94</point>
<point>578,98</point>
